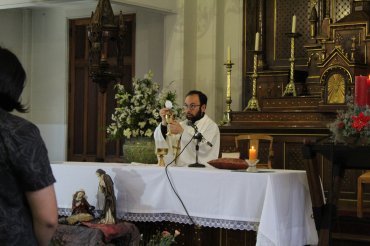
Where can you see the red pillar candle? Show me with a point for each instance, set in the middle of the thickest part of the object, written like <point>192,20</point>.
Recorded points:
<point>368,90</point>
<point>361,89</point>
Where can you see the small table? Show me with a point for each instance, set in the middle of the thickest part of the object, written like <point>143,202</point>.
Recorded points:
<point>342,157</point>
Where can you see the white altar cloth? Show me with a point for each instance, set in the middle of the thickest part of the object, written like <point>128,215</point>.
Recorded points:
<point>274,203</point>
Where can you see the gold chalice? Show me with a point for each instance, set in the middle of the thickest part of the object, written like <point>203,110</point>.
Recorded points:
<point>161,152</point>
<point>169,119</point>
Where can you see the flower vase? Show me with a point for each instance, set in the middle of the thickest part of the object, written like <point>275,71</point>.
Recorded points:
<point>140,149</point>
<point>356,141</point>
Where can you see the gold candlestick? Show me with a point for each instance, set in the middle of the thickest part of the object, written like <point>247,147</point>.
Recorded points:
<point>227,118</point>
<point>253,102</point>
<point>290,87</point>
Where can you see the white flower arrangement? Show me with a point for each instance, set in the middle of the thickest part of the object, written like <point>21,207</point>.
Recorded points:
<point>137,113</point>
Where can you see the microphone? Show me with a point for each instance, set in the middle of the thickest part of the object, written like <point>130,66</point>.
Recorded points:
<point>198,135</point>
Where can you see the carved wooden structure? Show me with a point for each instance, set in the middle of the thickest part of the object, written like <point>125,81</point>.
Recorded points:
<point>333,48</point>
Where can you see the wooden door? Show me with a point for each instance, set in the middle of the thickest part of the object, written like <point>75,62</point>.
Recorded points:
<point>86,105</point>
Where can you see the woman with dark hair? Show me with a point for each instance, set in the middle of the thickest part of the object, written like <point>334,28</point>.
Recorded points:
<point>28,210</point>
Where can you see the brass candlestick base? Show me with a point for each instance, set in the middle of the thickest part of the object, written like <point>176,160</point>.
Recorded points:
<point>161,152</point>
<point>253,102</point>
<point>253,105</point>
<point>290,88</point>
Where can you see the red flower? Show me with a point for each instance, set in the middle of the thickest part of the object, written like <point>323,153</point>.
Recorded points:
<point>360,121</point>
<point>340,125</point>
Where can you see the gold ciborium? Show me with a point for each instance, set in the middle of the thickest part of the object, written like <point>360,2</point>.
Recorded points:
<point>161,152</point>
<point>169,120</point>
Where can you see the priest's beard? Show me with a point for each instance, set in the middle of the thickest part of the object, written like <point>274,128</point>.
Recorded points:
<point>196,117</point>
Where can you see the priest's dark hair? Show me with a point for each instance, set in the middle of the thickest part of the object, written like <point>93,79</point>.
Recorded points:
<point>202,97</point>
<point>12,80</point>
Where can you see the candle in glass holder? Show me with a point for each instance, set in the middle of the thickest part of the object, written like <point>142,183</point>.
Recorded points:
<point>252,153</point>
<point>361,90</point>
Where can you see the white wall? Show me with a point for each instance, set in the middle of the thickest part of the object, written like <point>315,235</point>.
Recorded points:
<point>11,25</point>
<point>173,60</point>
<point>49,78</point>
<point>149,44</point>
<point>210,26</point>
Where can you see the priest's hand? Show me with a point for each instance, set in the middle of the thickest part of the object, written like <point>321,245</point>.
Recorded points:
<point>175,127</point>
<point>163,112</point>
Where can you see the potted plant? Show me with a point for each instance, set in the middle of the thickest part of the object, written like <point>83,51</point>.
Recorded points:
<point>164,238</point>
<point>351,126</point>
<point>137,115</point>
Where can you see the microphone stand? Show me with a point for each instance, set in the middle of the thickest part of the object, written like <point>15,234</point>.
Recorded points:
<point>196,164</point>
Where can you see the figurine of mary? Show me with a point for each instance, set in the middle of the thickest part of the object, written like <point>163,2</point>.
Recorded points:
<point>106,187</point>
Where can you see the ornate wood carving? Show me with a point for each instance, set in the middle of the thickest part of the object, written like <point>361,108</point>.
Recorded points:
<point>334,47</point>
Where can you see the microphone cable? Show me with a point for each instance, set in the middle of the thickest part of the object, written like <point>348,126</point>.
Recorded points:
<point>172,186</point>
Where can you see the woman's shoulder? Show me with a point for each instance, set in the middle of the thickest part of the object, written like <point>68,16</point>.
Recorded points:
<point>14,126</point>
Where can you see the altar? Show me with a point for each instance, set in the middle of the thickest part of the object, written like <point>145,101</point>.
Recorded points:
<point>275,203</point>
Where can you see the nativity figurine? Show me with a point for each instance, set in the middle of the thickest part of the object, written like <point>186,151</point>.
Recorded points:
<point>106,187</point>
<point>82,211</point>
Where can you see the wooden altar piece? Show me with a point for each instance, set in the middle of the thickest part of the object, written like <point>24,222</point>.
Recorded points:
<point>333,49</point>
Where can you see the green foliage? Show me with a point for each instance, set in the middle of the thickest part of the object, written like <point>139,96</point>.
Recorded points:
<point>163,238</point>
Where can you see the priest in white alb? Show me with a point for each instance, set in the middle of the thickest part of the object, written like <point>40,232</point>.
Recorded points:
<point>181,138</point>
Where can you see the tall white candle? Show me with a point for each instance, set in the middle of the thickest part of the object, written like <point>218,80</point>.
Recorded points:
<point>257,42</point>
<point>228,53</point>
<point>294,23</point>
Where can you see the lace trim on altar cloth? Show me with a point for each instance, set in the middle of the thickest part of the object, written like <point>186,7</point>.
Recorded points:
<point>145,217</point>
<point>219,223</point>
